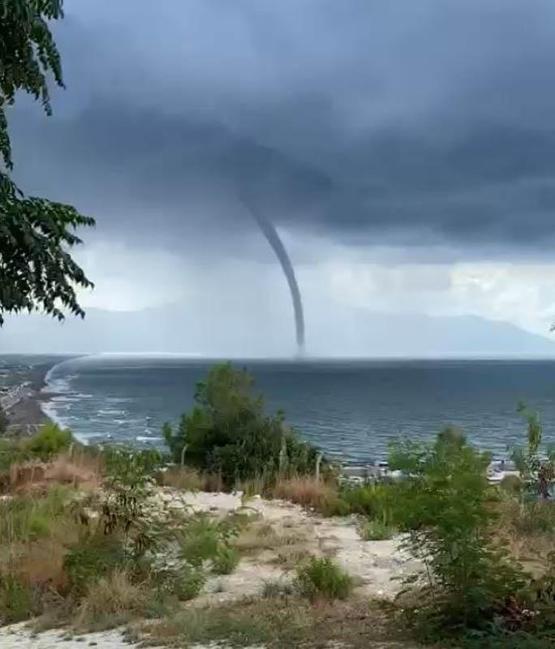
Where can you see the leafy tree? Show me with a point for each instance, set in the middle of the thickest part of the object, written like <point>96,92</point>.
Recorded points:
<point>228,432</point>
<point>36,269</point>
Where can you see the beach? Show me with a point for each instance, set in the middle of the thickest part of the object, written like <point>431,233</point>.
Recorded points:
<point>22,397</point>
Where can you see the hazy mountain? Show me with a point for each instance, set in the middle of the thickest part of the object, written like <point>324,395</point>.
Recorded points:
<point>353,332</point>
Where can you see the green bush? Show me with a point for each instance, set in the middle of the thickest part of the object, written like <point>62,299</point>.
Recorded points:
<point>49,441</point>
<point>322,578</point>
<point>226,560</point>
<point>228,433</point>
<point>445,507</point>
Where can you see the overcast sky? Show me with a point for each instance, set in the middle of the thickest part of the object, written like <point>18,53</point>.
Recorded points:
<point>404,150</point>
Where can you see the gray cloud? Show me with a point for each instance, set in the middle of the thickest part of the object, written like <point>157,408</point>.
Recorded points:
<point>363,121</point>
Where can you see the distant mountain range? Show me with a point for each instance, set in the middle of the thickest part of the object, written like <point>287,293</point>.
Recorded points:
<point>351,332</point>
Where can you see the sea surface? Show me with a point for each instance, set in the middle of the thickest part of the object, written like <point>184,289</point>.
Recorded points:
<point>351,409</point>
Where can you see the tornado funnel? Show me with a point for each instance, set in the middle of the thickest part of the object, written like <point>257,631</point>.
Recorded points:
<point>270,232</point>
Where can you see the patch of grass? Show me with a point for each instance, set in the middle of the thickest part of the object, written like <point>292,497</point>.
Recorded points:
<point>226,560</point>
<point>26,518</point>
<point>281,623</point>
<point>321,578</point>
<point>377,531</point>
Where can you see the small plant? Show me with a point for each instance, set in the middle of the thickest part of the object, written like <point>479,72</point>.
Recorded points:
<point>226,560</point>
<point>377,531</point>
<point>322,578</point>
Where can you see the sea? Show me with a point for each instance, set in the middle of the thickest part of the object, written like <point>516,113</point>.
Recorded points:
<point>351,409</point>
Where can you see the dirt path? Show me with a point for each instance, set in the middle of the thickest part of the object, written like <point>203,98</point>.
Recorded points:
<point>287,534</point>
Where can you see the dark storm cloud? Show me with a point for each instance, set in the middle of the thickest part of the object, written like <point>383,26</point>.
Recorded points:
<point>363,120</point>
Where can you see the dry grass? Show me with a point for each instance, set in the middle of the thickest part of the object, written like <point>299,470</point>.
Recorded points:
<point>75,468</point>
<point>183,478</point>
<point>111,601</point>
<point>528,531</point>
<point>42,565</point>
<point>306,491</point>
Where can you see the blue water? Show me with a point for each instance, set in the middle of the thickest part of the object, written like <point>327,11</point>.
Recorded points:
<point>351,409</point>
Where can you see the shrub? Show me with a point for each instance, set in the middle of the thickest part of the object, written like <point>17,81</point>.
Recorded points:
<point>322,578</point>
<point>49,441</point>
<point>445,507</point>
<point>226,560</point>
<point>229,434</point>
